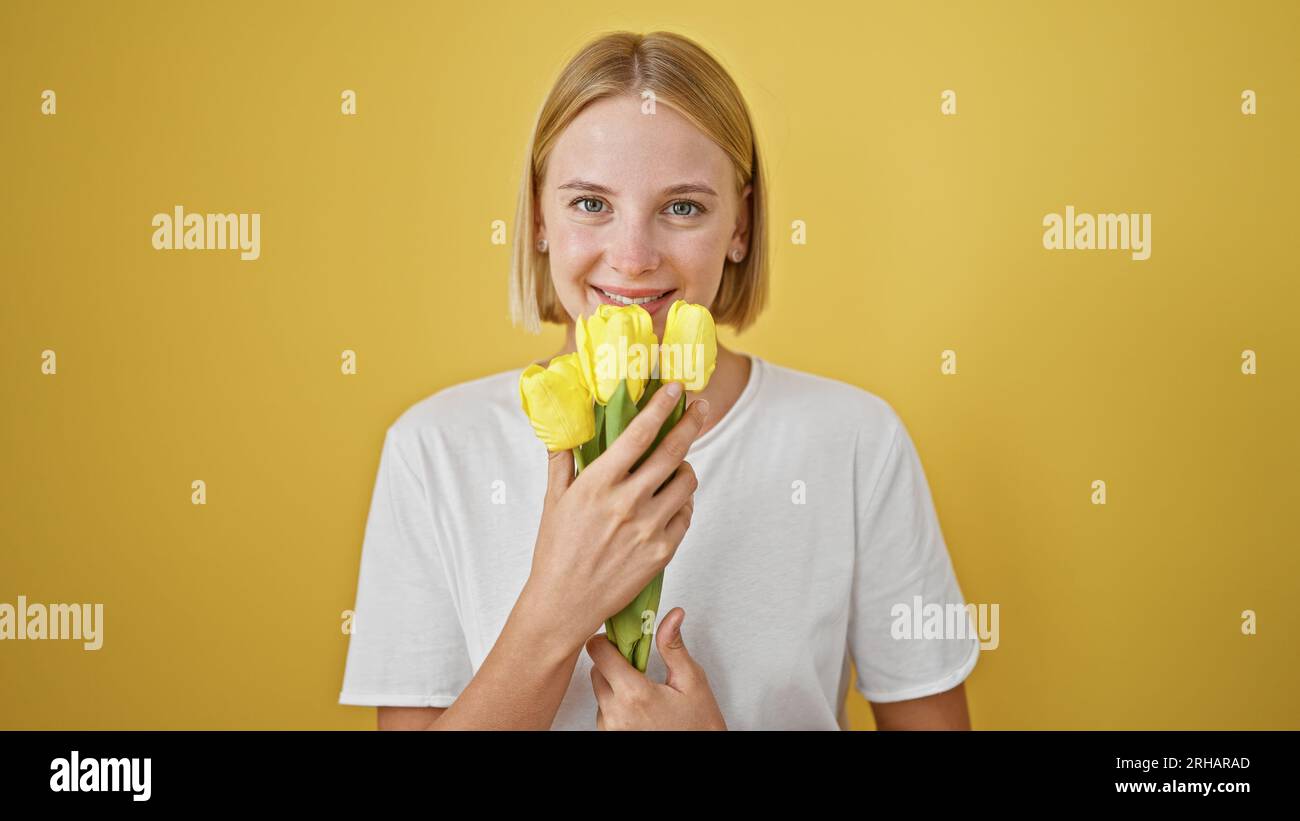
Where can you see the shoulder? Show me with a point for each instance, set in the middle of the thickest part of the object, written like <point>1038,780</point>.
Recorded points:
<point>825,400</point>
<point>468,410</point>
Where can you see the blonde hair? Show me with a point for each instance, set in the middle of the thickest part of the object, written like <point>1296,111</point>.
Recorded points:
<point>685,77</point>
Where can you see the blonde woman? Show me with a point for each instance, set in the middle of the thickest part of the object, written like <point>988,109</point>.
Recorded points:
<point>485,578</point>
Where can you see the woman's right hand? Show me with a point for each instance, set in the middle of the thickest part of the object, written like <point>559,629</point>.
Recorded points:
<point>606,533</point>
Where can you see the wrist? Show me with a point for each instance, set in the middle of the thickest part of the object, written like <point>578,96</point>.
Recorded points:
<point>544,629</point>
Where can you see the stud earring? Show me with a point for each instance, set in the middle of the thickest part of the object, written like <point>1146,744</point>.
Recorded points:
<point>737,254</point>
<point>541,245</point>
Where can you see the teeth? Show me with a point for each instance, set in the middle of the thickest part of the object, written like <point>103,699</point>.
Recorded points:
<point>628,301</point>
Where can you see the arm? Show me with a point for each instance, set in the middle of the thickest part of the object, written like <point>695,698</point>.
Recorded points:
<point>941,711</point>
<point>522,682</point>
<point>409,718</point>
<point>518,687</point>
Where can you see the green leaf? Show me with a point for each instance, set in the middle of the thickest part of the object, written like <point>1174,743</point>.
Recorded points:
<point>650,388</point>
<point>641,657</point>
<point>673,418</point>
<point>592,448</point>
<point>618,413</point>
<point>624,628</point>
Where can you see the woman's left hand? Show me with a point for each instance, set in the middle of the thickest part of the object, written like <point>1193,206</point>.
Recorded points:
<point>629,700</point>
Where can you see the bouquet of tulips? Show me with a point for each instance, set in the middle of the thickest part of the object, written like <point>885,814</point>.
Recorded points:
<point>582,401</point>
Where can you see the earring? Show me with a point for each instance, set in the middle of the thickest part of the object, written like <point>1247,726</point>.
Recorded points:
<point>541,245</point>
<point>736,255</point>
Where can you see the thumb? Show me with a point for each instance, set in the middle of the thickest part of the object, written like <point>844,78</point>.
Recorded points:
<point>672,648</point>
<point>559,474</point>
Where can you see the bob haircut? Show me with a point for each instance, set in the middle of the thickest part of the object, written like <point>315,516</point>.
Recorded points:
<point>685,77</point>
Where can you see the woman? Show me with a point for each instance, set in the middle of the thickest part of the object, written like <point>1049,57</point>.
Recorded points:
<point>484,583</point>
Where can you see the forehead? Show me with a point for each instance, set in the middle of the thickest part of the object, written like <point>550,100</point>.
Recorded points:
<point>613,143</point>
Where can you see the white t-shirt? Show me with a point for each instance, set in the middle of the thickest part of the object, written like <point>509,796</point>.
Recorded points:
<point>813,519</point>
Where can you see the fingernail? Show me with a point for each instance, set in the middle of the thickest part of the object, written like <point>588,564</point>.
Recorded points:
<point>673,389</point>
<point>702,407</point>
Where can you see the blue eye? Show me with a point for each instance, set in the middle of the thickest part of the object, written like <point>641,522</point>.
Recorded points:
<point>689,204</point>
<point>586,199</point>
<point>679,208</point>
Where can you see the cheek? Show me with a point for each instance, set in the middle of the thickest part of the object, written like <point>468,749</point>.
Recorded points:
<point>698,258</point>
<point>700,250</point>
<point>573,251</point>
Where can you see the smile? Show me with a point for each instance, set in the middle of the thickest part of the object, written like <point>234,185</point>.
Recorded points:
<point>649,303</point>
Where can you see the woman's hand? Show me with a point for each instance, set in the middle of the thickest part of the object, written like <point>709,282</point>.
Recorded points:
<point>629,700</point>
<point>606,533</point>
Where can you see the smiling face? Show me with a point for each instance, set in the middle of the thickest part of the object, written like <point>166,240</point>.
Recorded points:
<point>638,205</point>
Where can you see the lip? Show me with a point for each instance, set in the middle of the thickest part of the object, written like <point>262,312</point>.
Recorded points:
<point>633,293</point>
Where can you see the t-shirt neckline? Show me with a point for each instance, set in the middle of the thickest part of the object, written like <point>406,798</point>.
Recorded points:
<point>743,402</point>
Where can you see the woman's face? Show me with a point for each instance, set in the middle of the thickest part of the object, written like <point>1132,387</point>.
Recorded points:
<point>638,204</point>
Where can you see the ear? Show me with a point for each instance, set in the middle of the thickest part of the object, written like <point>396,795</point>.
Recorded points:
<point>539,219</point>
<point>743,210</point>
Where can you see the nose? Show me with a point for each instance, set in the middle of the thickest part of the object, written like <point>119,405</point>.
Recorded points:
<point>632,250</point>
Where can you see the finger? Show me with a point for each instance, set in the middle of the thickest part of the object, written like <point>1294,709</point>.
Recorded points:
<point>671,451</point>
<point>689,507</point>
<point>677,527</point>
<point>611,664</point>
<point>600,686</point>
<point>676,494</point>
<point>672,649</point>
<point>559,475</point>
<point>636,438</point>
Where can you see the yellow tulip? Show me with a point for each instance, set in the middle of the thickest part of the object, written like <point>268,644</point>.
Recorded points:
<point>689,351</point>
<point>606,343</point>
<point>558,403</point>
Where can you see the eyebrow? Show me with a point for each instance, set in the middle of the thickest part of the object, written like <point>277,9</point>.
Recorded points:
<point>682,188</point>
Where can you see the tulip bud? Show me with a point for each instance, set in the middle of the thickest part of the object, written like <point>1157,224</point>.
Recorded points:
<point>614,345</point>
<point>558,403</point>
<point>689,350</point>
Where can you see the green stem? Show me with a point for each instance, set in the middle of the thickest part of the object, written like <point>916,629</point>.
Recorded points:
<point>672,420</point>
<point>618,413</point>
<point>642,655</point>
<point>624,628</point>
<point>650,388</point>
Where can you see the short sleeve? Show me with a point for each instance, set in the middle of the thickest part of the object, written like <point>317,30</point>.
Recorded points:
<point>407,648</point>
<point>903,577</point>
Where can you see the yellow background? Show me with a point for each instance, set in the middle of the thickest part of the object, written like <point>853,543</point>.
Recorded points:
<point>924,234</point>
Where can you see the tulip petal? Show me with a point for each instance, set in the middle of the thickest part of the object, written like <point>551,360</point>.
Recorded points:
<point>557,403</point>
<point>689,350</point>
